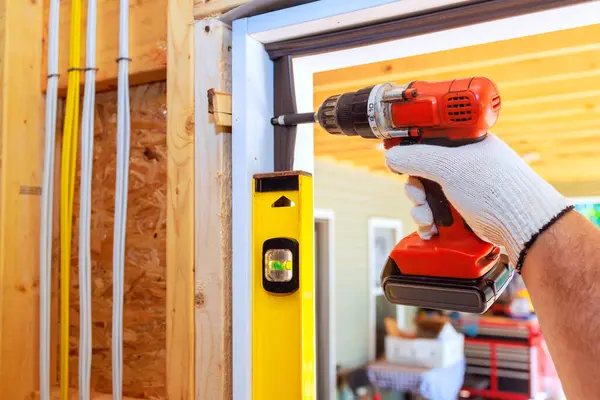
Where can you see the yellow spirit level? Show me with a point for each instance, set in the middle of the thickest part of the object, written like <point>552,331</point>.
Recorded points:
<point>283,317</point>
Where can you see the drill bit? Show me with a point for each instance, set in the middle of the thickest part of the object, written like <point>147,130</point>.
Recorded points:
<point>294,119</point>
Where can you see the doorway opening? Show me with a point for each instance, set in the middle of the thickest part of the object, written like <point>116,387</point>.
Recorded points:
<point>325,304</point>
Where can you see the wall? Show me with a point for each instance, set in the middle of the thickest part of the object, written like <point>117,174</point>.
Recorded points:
<point>355,195</point>
<point>144,325</point>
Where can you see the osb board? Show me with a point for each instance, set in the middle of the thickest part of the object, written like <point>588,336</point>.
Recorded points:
<point>144,326</point>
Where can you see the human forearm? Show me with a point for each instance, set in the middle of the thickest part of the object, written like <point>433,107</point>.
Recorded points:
<point>562,274</point>
<point>508,204</point>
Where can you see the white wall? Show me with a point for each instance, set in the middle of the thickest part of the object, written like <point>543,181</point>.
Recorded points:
<point>355,195</point>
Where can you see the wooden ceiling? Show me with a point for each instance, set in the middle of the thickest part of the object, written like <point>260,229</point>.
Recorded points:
<point>550,88</point>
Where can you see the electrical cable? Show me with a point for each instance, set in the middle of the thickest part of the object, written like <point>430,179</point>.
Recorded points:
<point>47,200</point>
<point>123,139</point>
<point>85,208</point>
<point>67,188</point>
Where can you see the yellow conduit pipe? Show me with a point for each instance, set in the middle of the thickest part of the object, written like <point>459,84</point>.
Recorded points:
<point>67,188</point>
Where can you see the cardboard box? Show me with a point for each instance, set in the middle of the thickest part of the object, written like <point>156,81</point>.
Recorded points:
<point>445,349</point>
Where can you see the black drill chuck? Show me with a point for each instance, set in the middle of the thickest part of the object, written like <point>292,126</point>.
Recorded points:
<point>342,114</point>
<point>347,114</point>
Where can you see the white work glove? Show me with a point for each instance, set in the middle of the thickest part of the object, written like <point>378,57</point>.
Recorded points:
<point>501,198</point>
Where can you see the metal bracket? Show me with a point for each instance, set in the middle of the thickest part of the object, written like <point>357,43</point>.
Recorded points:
<point>219,107</point>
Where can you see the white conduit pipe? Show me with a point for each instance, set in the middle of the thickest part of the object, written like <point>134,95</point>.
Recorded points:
<point>123,137</point>
<point>85,207</point>
<point>47,201</point>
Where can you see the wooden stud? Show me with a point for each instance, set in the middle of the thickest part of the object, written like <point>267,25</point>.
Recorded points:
<point>21,160</point>
<point>213,206</point>
<point>180,201</point>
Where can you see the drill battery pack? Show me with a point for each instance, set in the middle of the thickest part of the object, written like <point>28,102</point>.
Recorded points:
<point>451,294</point>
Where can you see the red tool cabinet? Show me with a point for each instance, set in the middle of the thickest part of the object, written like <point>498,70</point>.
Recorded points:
<point>508,359</point>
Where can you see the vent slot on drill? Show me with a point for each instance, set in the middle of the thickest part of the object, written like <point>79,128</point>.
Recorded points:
<point>496,102</point>
<point>459,109</point>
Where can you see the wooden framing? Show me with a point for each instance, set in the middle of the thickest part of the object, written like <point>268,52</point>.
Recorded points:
<point>148,43</point>
<point>213,208</point>
<point>180,201</point>
<point>21,150</point>
<point>21,144</point>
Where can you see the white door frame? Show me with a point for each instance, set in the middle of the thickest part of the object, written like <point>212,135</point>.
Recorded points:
<point>252,133</point>
<point>328,216</point>
<point>373,224</point>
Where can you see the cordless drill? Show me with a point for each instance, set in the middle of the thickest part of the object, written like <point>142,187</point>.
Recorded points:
<point>454,270</point>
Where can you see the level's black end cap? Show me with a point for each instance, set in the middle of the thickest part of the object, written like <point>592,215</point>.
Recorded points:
<point>278,181</point>
<point>448,294</point>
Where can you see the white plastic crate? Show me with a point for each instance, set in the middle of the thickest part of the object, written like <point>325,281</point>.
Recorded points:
<point>445,350</point>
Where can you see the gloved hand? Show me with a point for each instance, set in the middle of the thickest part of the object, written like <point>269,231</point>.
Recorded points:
<point>501,198</point>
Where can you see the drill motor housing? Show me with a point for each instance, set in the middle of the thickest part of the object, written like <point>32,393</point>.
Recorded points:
<point>447,113</point>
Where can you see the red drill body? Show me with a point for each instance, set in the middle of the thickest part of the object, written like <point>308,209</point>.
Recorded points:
<point>455,269</point>
<point>457,111</point>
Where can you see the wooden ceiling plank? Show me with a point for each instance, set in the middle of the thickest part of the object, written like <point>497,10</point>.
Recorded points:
<point>358,157</point>
<point>554,100</point>
<point>557,172</point>
<point>546,71</point>
<point>548,116</point>
<point>576,107</point>
<point>571,41</point>
<point>556,84</point>
<point>548,153</point>
<point>551,103</point>
<point>559,126</point>
<point>552,77</point>
<point>549,147</point>
<point>557,147</point>
<point>337,144</point>
<point>518,143</point>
